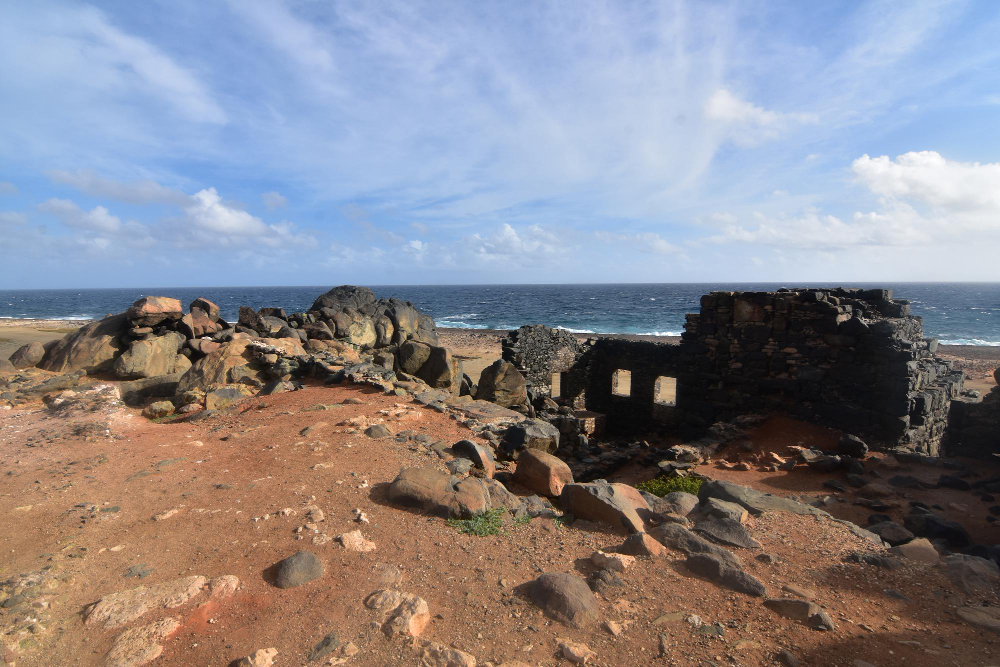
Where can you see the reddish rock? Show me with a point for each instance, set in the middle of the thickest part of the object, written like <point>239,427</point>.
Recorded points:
<point>642,544</point>
<point>542,473</point>
<point>152,310</point>
<point>616,505</point>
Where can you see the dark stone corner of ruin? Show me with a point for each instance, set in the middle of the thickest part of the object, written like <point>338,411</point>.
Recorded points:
<point>850,359</point>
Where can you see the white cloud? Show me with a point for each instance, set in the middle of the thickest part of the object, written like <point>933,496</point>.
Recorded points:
<point>928,178</point>
<point>923,200</point>
<point>644,242</point>
<point>273,200</point>
<point>508,245</point>
<point>97,219</point>
<point>420,227</point>
<point>7,188</point>
<point>11,218</point>
<point>208,212</point>
<point>748,124</point>
<point>136,192</point>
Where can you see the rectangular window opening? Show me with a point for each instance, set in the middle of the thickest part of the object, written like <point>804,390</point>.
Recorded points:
<point>621,383</point>
<point>665,391</point>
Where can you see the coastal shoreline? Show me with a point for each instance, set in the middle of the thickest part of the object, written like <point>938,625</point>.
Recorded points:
<point>478,348</point>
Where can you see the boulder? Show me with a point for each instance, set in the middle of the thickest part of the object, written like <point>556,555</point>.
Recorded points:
<point>150,357</point>
<point>346,296</point>
<point>680,538</point>
<point>853,446</point>
<point>986,618</point>
<point>361,334</point>
<point>677,502</point>
<point>503,384</point>
<point>891,532</point>
<point>91,348</point>
<point>440,371</point>
<point>542,473</point>
<point>566,598</point>
<point>27,356</point>
<point>726,531</point>
<point>920,550</point>
<point>412,356</point>
<point>717,570</point>
<point>440,493</point>
<point>235,361</point>
<point>298,569</point>
<point>972,574</point>
<point>152,310</point>
<point>616,505</point>
<point>480,456</point>
<point>935,527</point>
<point>197,323</point>
<point>530,434</point>
<point>723,509</point>
<point>803,611</point>
<point>158,410</point>
<point>205,306</point>
<point>642,544</point>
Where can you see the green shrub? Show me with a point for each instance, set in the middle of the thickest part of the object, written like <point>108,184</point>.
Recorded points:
<point>489,522</point>
<point>661,486</point>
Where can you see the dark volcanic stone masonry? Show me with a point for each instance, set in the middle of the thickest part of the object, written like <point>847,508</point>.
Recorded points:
<point>850,359</point>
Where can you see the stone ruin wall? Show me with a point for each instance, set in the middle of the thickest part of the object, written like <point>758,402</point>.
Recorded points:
<point>850,359</point>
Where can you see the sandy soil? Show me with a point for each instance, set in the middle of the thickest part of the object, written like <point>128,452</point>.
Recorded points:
<point>15,333</point>
<point>84,505</point>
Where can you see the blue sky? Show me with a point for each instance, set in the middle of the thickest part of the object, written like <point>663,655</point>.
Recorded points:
<point>181,142</point>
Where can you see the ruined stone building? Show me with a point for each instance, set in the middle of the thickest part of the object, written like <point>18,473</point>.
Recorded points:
<point>850,359</point>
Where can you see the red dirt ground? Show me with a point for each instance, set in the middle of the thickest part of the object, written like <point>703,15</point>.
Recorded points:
<point>220,474</point>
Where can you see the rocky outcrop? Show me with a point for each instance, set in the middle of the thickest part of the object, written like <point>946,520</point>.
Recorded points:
<point>155,338</point>
<point>152,357</point>
<point>92,348</point>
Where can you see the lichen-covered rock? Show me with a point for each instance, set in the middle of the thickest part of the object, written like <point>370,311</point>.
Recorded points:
<point>158,410</point>
<point>151,357</point>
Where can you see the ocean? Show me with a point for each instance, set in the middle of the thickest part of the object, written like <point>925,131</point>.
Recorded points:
<point>955,313</point>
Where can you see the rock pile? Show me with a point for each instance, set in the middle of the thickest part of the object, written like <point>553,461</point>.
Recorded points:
<point>161,351</point>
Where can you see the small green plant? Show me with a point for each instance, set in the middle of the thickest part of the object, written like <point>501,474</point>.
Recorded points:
<point>522,520</point>
<point>489,522</point>
<point>661,486</point>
